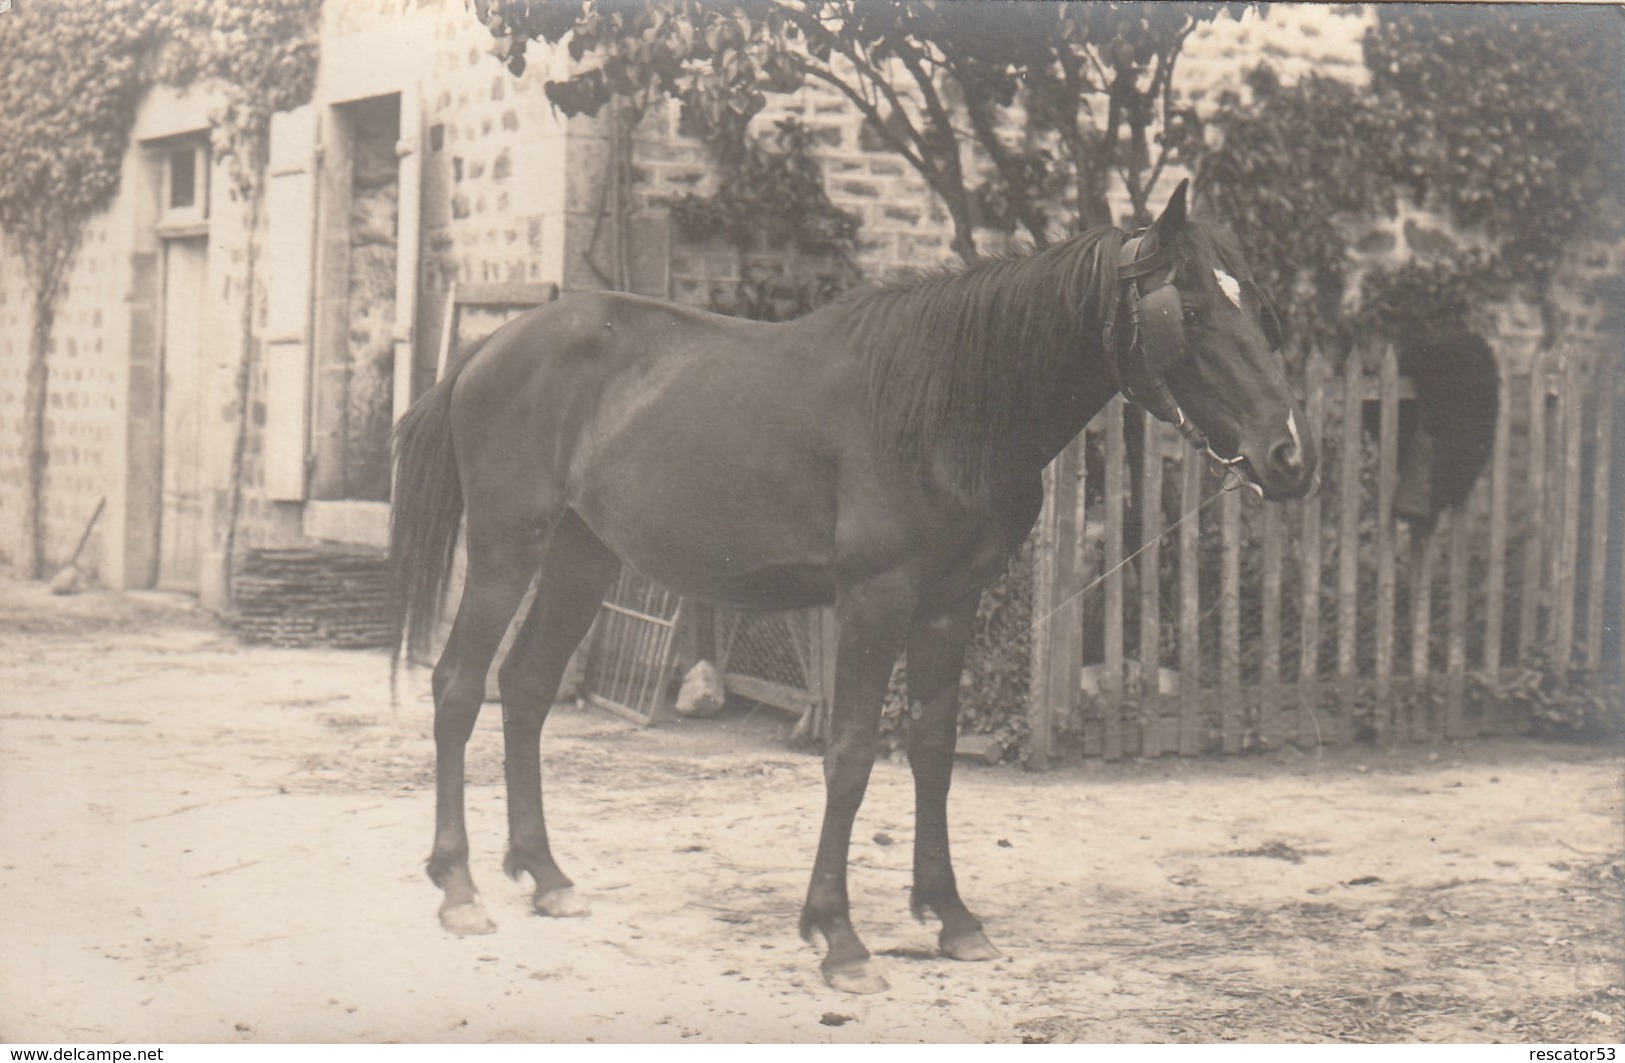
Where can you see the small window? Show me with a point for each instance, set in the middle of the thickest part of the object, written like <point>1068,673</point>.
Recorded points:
<point>184,197</point>
<point>182,178</point>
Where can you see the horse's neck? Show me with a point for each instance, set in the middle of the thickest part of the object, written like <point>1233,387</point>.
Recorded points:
<point>1066,404</point>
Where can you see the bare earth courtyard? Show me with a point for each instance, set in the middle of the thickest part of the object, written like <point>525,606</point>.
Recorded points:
<point>202,841</point>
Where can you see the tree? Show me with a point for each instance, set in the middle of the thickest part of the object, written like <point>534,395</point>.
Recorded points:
<point>1059,99</point>
<point>1506,119</point>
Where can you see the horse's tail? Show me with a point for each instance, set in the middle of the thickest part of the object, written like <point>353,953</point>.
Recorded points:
<point>425,513</point>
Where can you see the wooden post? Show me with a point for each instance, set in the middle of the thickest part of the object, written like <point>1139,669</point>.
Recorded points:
<point>1269,672</point>
<point>1057,640</point>
<point>1152,740</point>
<point>1190,607</point>
<point>1534,508</point>
<point>1230,707</point>
<point>1602,454</point>
<point>1111,671</point>
<point>1421,624</point>
<point>1308,726</point>
<point>1456,724</point>
<point>1348,545</point>
<point>825,633</point>
<point>1387,478</point>
<point>1566,560</point>
<point>1496,579</point>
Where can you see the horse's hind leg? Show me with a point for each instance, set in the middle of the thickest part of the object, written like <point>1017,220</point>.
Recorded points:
<point>936,656</point>
<point>576,571</point>
<point>499,569</point>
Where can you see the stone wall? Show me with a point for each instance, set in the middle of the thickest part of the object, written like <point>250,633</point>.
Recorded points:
<point>85,403</point>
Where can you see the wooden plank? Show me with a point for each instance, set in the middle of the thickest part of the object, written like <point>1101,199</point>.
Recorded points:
<point>1152,739</point>
<point>767,692</point>
<point>825,635</point>
<point>1348,545</point>
<point>1387,481</point>
<point>1456,723</point>
<point>1422,552</point>
<point>1111,672</point>
<point>408,240</point>
<point>1190,605</point>
<point>1231,723</point>
<point>1601,458</point>
<point>1308,724</point>
<point>1496,576</point>
<point>509,294</point>
<point>1057,642</point>
<point>1566,559</point>
<point>1269,675</point>
<point>1534,510</point>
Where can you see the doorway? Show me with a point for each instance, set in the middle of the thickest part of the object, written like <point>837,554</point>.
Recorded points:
<point>181,508</point>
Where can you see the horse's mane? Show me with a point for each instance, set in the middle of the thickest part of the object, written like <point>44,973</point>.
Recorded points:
<point>956,361</point>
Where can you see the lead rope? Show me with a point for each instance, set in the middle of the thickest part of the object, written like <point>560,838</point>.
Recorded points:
<point>1098,580</point>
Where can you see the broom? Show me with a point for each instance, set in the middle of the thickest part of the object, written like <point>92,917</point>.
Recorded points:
<point>66,580</point>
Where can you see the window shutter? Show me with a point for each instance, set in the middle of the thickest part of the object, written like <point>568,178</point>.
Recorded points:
<point>290,210</point>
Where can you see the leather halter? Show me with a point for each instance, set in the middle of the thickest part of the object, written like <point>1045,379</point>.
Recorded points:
<point>1155,343</point>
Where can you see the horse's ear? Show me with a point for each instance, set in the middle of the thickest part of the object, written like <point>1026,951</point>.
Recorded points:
<point>1173,215</point>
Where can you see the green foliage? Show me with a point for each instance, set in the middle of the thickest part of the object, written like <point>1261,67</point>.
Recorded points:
<point>770,195</point>
<point>770,198</point>
<point>930,77</point>
<point>1556,702</point>
<point>260,55</point>
<point>72,78</point>
<point>74,74</point>
<point>1507,119</point>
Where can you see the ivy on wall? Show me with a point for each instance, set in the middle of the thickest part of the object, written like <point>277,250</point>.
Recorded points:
<point>75,72</point>
<point>770,198</point>
<point>1507,120</point>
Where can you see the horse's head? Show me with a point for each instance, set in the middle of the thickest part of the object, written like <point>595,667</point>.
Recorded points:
<point>1194,342</point>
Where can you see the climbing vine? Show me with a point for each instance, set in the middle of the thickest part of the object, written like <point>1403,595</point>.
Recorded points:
<point>74,74</point>
<point>1506,120</point>
<point>770,198</point>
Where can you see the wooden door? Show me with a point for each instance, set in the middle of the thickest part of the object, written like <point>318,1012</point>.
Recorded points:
<point>182,506</point>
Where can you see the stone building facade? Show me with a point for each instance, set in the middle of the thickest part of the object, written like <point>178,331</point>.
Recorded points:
<point>419,164</point>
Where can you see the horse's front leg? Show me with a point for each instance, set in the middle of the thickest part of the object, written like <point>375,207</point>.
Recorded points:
<point>936,657</point>
<point>872,618</point>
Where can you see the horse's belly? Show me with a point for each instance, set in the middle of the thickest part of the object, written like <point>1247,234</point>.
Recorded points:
<point>752,542</point>
<point>777,586</point>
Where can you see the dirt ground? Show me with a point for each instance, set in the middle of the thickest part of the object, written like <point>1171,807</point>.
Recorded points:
<point>207,842</point>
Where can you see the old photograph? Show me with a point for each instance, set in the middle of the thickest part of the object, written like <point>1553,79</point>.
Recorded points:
<point>515,515</point>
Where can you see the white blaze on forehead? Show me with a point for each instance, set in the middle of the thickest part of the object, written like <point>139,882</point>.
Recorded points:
<point>1229,286</point>
<point>1292,428</point>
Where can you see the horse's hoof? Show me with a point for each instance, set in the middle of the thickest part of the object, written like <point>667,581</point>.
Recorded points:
<point>562,904</point>
<point>858,977</point>
<point>465,920</point>
<point>972,946</point>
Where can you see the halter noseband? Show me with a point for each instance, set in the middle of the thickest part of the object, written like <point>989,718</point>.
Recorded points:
<point>1157,330</point>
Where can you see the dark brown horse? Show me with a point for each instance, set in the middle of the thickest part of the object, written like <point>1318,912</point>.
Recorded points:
<point>882,454</point>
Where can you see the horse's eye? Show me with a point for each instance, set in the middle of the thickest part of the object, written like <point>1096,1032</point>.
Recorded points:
<point>1191,316</point>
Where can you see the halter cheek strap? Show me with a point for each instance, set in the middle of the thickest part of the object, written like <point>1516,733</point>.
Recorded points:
<point>1155,341</point>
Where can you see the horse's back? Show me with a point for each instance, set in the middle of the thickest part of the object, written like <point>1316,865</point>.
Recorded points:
<point>702,449</point>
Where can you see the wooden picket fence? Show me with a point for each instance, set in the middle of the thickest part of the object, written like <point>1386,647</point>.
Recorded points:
<point>1252,625</point>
